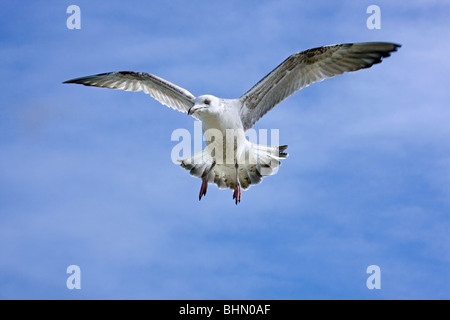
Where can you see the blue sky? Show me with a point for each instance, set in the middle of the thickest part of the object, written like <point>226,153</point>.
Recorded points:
<point>86,176</point>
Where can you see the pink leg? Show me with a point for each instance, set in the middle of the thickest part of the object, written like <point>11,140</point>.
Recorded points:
<point>237,192</point>
<point>203,188</point>
<point>237,188</point>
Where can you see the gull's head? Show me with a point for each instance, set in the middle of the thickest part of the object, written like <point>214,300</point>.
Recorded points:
<point>205,104</point>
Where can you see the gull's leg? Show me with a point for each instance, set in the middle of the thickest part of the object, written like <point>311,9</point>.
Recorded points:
<point>204,186</point>
<point>237,188</point>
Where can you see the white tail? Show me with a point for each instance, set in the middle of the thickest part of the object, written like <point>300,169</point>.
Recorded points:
<point>257,161</point>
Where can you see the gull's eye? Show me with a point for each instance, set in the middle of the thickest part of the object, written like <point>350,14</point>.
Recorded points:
<point>207,102</point>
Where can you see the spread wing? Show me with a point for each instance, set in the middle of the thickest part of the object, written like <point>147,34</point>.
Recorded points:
<point>162,90</point>
<point>303,68</point>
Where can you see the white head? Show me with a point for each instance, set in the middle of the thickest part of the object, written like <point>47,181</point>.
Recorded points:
<point>206,104</point>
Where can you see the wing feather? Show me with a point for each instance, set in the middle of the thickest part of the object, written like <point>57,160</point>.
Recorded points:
<point>162,90</point>
<point>304,68</point>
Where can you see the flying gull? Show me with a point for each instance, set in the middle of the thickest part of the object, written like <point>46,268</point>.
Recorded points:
<point>232,161</point>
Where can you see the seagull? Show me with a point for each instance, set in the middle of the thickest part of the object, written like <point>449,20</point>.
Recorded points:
<point>229,159</point>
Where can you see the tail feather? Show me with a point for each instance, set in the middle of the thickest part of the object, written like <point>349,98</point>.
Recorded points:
<point>258,162</point>
<point>197,164</point>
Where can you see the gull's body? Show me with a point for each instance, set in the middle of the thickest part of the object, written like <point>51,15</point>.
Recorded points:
<point>229,159</point>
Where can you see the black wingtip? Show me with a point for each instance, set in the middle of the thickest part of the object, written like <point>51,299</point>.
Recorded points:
<point>396,46</point>
<point>76,80</point>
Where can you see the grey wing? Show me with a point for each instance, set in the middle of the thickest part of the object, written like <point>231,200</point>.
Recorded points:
<point>303,68</point>
<point>162,90</point>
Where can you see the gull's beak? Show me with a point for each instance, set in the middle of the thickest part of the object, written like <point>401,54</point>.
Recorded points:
<point>193,109</point>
